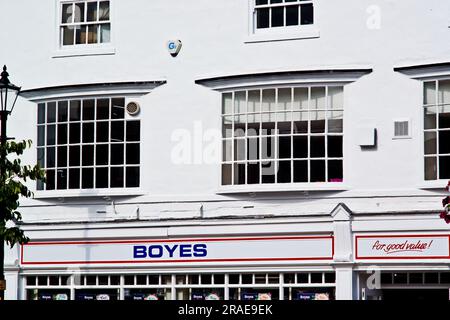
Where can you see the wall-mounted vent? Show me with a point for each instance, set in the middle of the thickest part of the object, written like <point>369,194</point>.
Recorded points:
<point>401,129</point>
<point>133,108</point>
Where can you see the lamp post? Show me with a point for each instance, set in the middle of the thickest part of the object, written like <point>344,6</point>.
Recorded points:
<point>8,98</point>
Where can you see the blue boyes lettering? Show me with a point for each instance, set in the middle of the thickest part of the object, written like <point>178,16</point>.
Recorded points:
<point>171,251</point>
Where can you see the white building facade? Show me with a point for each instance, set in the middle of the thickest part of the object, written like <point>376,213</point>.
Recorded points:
<point>240,149</point>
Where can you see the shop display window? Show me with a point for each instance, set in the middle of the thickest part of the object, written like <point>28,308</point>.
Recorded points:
<point>148,294</point>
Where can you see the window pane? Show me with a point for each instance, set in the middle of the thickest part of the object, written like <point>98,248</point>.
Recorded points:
<point>62,156</point>
<point>254,101</point>
<point>429,92</point>
<point>268,148</point>
<point>51,112</point>
<point>430,168</point>
<point>66,14</point>
<point>101,154</point>
<point>62,111</point>
<point>240,98</point>
<point>292,16</point>
<point>79,12</point>
<point>300,122</point>
<point>117,154</point>
<point>268,172</point>
<point>239,149</point>
<point>300,99</point>
<point>51,134</point>
<point>300,171</point>
<point>41,113</point>
<point>227,150</point>
<point>444,167</point>
<point>92,33</point>
<point>253,173</point>
<point>334,146</point>
<point>68,35</point>
<point>116,177</point>
<point>102,109</point>
<point>307,14</point>
<point>284,147</point>
<point>317,121</point>
<point>284,124</point>
<point>87,180</point>
<point>88,132</point>
<point>101,178</point>
<point>88,155</point>
<point>336,97</point>
<point>227,103</point>
<point>118,108</point>
<point>92,11</point>
<point>239,173</point>
<point>284,172</point>
<point>444,117</point>
<point>51,157</point>
<point>268,100</point>
<point>335,122</point>
<point>300,146</point>
<point>61,179</point>
<point>317,147</point>
<point>74,133</point>
<point>103,14</point>
<point>444,92</point>
<point>318,171</point>
<point>88,109</point>
<point>335,171</point>
<point>262,18</point>
<point>50,180</point>
<point>253,124</point>
<point>41,136</point>
<point>41,157</point>
<point>75,110</point>
<point>132,155</point>
<point>317,98</point>
<point>62,133</point>
<point>132,177</point>
<point>239,126</point>
<point>117,131</point>
<point>74,155</point>
<point>444,142</point>
<point>74,178</point>
<point>102,131</point>
<point>430,118</point>
<point>278,17</point>
<point>80,35</point>
<point>430,143</point>
<point>226,174</point>
<point>227,126</point>
<point>284,99</point>
<point>105,33</point>
<point>133,130</point>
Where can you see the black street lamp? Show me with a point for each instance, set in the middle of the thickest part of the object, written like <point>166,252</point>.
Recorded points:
<point>8,98</point>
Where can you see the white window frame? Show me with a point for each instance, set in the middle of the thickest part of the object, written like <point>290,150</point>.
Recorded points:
<point>280,33</point>
<point>82,49</point>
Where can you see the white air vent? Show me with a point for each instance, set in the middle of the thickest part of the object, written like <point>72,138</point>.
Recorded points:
<point>133,108</point>
<point>401,129</point>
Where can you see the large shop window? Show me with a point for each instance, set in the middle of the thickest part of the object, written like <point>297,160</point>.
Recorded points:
<point>437,129</point>
<point>283,13</point>
<point>84,22</point>
<point>88,144</point>
<point>282,135</point>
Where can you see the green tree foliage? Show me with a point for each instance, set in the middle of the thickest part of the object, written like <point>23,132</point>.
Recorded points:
<point>13,180</point>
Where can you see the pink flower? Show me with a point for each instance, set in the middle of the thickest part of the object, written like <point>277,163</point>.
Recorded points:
<point>446,201</point>
<point>447,219</point>
<point>442,215</point>
<point>448,186</point>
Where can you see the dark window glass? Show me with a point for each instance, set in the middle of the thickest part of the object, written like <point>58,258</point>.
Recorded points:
<point>129,280</point>
<point>61,179</point>
<point>50,180</point>
<point>334,146</point>
<point>416,278</point>
<point>400,278</point>
<point>284,172</point>
<point>316,277</point>
<point>262,18</point>
<point>88,155</point>
<point>444,119</point>
<point>445,277</point>
<point>444,167</point>
<point>62,111</point>
<point>41,113</point>
<point>226,174</point>
<point>302,278</point>
<point>118,108</point>
<point>386,278</point>
<point>284,147</point>
<point>75,110</point>
<point>317,146</point>
<point>247,279</point>
<point>102,131</point>
<point>101,154</point>
<point>88,109</point>
<point>300,171</point>
<point>103,280</point>
<point>253,173</point>
<point>132,177</point>
<point>300,146</point>
<point>117,131</point>
<point>335,171</point>
<point>62,133</point>
<point>62,156</point>
<point>252,149</point>
<point>41,135</point>
<point>41,157</point>
<point>102,109</point>
<point>307,14</point>
<point>74,133</point>
<point>431,277</point>
<point>117,154</point>
<point>114,280</point>
<point>51,112</point>
<point>74,155</point>
<point>268,172</point>
<point>51,157</point>
<point>444,142</point>
<point>51,134</point>
<point>101,178</point>
<point>318,171</point>
<point>430,168</point>
<point>116,177</point>
<point>278,17</point>
<point>132,155</point>
<point>239,173</point>
<point>291,15</point>
<point>74,178</point>
<point>133,130</point>
<point>219,279</point>
<point>330,277</point>
<point>261,2</point>
<point>88,132</point>
<point>317,126</point>
<point>87,180</point>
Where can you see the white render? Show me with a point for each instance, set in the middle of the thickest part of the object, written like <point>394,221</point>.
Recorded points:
<point>384,191</point>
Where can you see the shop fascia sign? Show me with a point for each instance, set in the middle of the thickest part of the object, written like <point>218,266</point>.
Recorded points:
<point>407,246</point>
<point>183,251</point>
